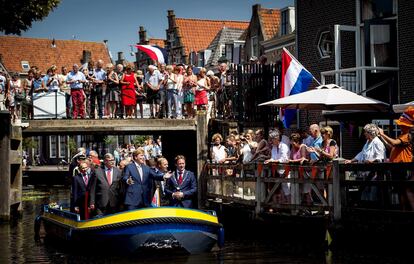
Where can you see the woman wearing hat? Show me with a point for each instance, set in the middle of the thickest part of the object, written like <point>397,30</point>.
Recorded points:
<point>402,151</point>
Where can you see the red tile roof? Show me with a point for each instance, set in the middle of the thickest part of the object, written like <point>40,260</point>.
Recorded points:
<point>157,42</point>
<point>197,34</point>
<point>39,52</point>
<point>270,19</point>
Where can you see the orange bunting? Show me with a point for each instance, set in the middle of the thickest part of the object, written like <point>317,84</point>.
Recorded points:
<point>274,166</point>
<point>328,171</point>
<point>287,170</point>
<point>301,172</point>
<point>314,172</point>
<point>259,169</point>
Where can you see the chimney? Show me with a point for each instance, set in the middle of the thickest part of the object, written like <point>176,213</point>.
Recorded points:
<point>171,19</point>
<point>256,8</point>
<point>121,56</point>
<point>86,56</point>
<point>142,35</point>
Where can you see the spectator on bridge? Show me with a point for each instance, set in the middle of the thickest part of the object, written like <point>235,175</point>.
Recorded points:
<point>402,151</point>
<point>153,79</point>
<point>129,82</point>
<point>179,72</point>
<point>170,84</point>
<point>98,80</point>
<point>212,100</point>
<point>3,90</point>
<point>231,149</point>
<point>112,90</point>
<point>315,144</point>
<point>140,95</point>
<point>224,96</point>
<point>27,106</point>
<point>120,73</point>
<point>76,80</point>
<point>52,79</point>
<point>15,96</point>
<point>64,87</point>
<point>201,92</point>
<point>181,188</point>
<point>329,149</point>
<point>189,86</point>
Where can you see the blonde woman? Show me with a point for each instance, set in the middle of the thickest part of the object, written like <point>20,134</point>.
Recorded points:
<point>189,85</point>
<point>203,86</point>
<point>112,88</point>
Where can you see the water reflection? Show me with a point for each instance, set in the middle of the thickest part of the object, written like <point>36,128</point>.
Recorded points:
<point>18,245</point>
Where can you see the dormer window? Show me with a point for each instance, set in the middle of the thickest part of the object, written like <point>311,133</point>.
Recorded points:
<point>25,66</point>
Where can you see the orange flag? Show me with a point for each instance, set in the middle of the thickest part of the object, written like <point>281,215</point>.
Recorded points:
<point>259,169</point>
<point>314,172</point>
<point>328,171</point>
<point>287,170</point>
<point>274,166</point>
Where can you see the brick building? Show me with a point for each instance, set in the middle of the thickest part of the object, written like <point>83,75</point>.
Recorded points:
<point>362,45</point>
<point>142,59</point>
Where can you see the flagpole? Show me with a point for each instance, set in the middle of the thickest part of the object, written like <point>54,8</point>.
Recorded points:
<point>293,57</point>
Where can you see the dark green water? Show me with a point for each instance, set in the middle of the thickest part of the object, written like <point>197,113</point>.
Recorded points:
<point>243,245</point>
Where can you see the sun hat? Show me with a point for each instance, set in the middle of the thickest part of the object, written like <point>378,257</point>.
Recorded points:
<point>407,118</point>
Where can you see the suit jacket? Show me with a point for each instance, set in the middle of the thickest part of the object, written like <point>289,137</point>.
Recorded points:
<point>106,194</point>
<point>79,190</point>
<point>139,194</point>
<point>188,187</point>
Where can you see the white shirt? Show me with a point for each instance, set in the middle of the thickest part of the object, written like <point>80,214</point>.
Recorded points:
<point>374,150</point>
<point>219,153</point>
<point>139,168</point>
<point>280,153</point>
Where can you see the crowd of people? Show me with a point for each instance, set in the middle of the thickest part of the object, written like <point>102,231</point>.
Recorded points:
<point>317,146</point>
<point>100,188</point>
<point>106,91</point>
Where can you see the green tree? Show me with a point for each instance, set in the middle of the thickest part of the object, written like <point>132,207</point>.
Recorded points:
<point>17,15</point>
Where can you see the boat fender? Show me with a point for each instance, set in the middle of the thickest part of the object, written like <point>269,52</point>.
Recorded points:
<point>220,238</point>
<point>37,223</point>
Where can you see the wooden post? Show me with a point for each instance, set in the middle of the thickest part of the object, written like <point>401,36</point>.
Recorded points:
<point>336,185</point>
<point>4,165</point>
<point>202,150</point>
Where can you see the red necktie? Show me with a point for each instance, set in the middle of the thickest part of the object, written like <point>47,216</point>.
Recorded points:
<point>85,179</point>
<point>108,177</point>
<point>180,178</point>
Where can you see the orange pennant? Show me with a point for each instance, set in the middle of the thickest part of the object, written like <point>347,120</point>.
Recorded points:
<point>274,166</point>
<point>259,169</point>
<point>287,170</point>
<point>301,172</point>
<point>328,171</point>
<point>314,172</point>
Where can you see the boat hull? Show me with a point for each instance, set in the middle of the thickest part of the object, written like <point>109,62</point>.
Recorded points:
<point>193,234</point>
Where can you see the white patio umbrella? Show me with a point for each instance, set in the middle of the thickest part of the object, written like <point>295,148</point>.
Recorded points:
<point>328,97</point>
<point>399,108</point>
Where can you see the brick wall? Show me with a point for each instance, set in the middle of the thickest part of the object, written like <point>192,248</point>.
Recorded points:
<point>405,49</point>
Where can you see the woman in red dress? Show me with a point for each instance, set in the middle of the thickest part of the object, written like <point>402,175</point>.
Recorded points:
<point>129,81</point>
<point>203,86</point>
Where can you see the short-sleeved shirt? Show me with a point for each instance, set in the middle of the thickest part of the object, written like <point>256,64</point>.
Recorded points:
<point>78,76</point>
<point>317,143</point>
<point>403,151</point>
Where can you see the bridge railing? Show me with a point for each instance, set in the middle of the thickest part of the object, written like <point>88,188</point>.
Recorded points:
<point>334,188</point>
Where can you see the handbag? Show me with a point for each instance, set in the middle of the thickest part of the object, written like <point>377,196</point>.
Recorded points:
<point>19,97</point>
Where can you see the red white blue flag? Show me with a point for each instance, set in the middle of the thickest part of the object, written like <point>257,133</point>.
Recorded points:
<point>155,202</point>
<point>154,52</point>
<point>295,79</point>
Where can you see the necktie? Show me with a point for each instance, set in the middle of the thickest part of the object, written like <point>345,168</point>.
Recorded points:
<point>108,176</point>
<point>180,177</point>
<point>85,179</point>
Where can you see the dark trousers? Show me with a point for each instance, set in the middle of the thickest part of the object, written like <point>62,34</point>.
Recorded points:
<point>96,94</point>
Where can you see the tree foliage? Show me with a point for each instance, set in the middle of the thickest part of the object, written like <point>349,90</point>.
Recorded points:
<point>17,15</point>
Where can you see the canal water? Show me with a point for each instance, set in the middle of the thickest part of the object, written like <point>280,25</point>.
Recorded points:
<point>243,244</point>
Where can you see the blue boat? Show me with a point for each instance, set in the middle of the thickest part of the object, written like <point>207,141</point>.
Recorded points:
<point>195,231</point>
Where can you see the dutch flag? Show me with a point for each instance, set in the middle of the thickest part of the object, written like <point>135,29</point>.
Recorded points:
<point>295,79</point>
<point>154,52</point>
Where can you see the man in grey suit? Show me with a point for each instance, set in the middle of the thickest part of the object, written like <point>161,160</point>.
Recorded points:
<point>107,185</point>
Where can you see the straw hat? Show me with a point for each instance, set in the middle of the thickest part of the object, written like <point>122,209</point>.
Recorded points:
<point>407,118</point>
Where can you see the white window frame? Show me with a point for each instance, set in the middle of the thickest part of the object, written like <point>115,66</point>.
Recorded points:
<point>252,41</point>
<point>53,154</point>
<point>62,146</point>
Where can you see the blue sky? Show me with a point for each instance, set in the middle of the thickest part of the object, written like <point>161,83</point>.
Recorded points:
<point>119,21</point>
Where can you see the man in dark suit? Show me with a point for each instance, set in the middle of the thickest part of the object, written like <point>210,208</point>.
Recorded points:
<point>182,186</point>
<point>83,191</point>
<point>107,185</point>
<point>139,178</point>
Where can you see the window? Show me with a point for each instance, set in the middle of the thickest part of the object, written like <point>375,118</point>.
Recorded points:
<point>52,146</point>
<point>371,9</point>
<point>285,22</point>
<point>229,51</point>
<point>62,146</point>
<point>255,46</point>
<point>25,66</point>
<point>325,44</point>
<point>201,61</point>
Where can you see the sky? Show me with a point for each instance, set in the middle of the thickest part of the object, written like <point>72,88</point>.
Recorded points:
<point>119,21</point>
